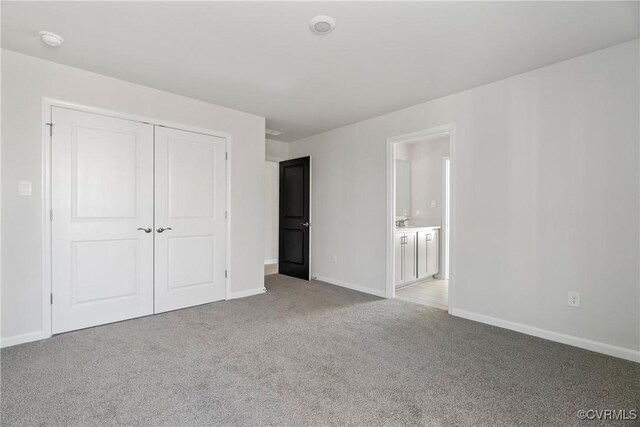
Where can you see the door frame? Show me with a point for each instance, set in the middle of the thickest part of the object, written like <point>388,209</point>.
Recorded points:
<point>391,201</point>
<point>278,159</point>
<point>310,276</point>
<point>277,162</point>
<point>46,185</point>
<point>446,214</point>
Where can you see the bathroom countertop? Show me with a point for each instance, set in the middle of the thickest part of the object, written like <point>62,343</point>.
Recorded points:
<point>416,227</point>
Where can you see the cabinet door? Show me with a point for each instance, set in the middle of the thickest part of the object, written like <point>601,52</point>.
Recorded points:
<point>410,257</point>
<point>399,258</point>
<point>423,254</point>
<point>432,252</point>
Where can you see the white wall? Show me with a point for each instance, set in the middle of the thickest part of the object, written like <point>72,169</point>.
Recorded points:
<point>403,152</point>
<point>545,168</point>
<point>25,81</point>
<point>272,169</point>
<point>277,150</point>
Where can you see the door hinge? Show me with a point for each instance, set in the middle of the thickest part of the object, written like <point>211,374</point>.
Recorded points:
<point>225,273</point>
<point>51,298</point>
<point>50,128</point>
<point>226,156</point>
<point>226,214</point>
<point>50,214</point>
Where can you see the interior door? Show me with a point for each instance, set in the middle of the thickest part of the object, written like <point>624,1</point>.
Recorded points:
<point>293,259</point>
<point>102,210</point>
<point>190,224</point>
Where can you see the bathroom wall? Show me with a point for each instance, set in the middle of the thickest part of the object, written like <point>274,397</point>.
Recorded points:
<point>426,180</point>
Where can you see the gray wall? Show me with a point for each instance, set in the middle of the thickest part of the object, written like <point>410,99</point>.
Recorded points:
<point>275,151</point>
<point>271,209</point>
<point>545,169</point>
<point>25,81</point>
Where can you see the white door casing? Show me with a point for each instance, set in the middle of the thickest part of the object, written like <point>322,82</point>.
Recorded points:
<point>190,184</point>
<point>445,217</point>
<point>102,192</point>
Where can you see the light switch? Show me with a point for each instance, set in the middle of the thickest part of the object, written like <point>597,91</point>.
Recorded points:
<point>24,188</point>
<point>433,203</point>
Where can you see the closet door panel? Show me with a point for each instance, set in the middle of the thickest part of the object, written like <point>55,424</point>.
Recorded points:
<point>190,222</point>
<point>102,192</point>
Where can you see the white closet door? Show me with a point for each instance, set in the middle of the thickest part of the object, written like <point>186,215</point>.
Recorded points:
<point>102,192</point>
<point>190,207</point>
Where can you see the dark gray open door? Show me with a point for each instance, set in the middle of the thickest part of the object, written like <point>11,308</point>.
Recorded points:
<point>293,259</point>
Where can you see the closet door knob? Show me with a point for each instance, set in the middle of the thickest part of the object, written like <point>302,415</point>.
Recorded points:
<point>160,229</point>
<point>146,230</point>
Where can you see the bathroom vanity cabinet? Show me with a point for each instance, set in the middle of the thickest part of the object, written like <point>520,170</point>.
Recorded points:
<point>416,254</point>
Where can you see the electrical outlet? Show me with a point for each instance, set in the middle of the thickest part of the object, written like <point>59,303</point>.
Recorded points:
<point>335,259</point>
<point>574,299</point>
<point>433,204</point>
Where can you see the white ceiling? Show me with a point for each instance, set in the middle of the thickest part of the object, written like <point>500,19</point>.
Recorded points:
<point>260,57</point>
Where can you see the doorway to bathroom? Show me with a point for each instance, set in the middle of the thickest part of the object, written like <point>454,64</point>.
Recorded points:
<point>420,205</point>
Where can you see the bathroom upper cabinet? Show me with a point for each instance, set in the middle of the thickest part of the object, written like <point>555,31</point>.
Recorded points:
<point>416,255</point>
<point>427,253</point>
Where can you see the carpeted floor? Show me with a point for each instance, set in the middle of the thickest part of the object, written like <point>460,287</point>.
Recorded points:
<point>307,354</point>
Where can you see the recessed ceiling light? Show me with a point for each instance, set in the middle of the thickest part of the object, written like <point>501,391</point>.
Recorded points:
<point>273,132</point>
<point>51,39</point>
<point>322,24</point>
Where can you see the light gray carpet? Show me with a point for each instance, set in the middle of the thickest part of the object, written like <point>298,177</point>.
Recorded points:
<point>307,354</point>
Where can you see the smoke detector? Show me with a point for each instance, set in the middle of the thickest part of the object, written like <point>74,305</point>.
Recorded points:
<point>273,132</point>
<point>322,24</point>
<point>51,39</point>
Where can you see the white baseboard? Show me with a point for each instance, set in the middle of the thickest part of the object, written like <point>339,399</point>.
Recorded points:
<point>250,292</point>
<point>598,347</point>
<point>358,288</point>
<point>270,261</point>
<point>21,339</point>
